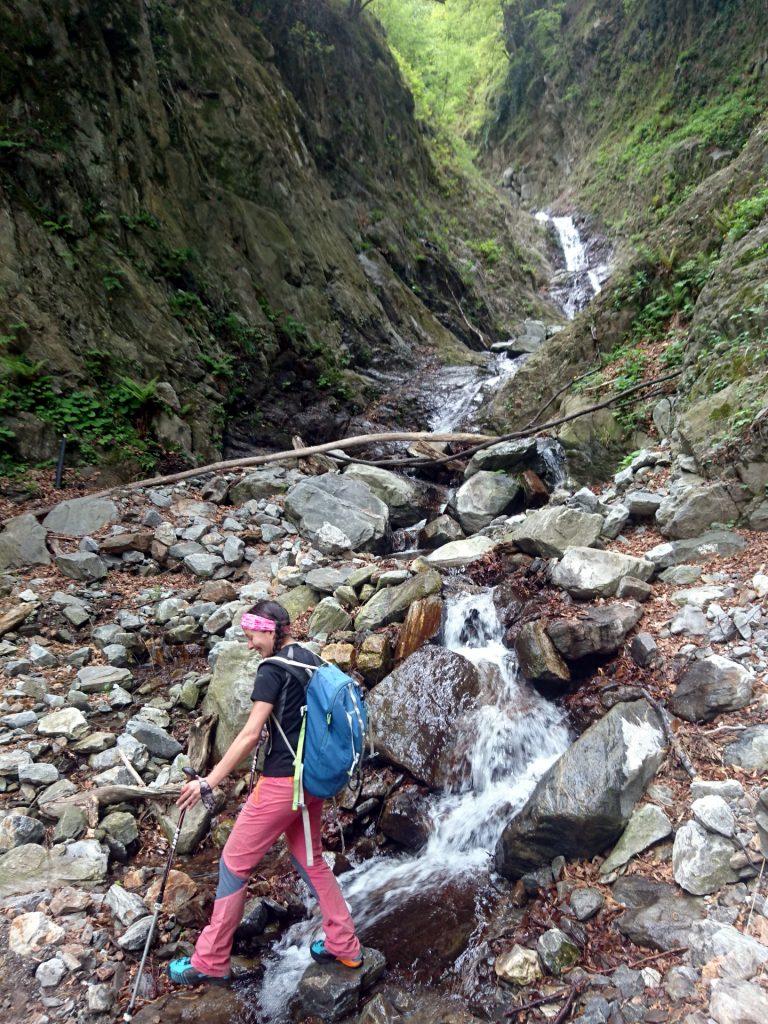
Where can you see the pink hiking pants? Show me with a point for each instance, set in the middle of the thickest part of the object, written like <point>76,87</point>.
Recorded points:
<point>261,821</point>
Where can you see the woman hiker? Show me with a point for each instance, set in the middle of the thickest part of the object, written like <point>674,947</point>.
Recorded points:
<point>267,814</point>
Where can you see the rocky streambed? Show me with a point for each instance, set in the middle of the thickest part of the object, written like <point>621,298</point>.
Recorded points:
<point>525,824</point>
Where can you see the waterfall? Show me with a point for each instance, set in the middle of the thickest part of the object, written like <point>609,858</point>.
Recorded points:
<point>581,280</point>
<point>513,738</point>
<point>458,392</point>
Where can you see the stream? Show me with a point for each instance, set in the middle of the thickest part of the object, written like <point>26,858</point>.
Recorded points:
<point>399,903</point>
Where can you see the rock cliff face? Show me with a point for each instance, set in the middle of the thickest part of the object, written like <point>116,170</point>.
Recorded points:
<point>213,218</point>
<point>649,120</point>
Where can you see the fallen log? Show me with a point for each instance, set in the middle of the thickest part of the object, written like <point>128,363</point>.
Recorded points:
<point>91,800</point>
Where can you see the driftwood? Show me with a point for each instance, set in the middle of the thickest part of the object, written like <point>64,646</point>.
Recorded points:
<point>481,441</point>
<point>249,461</point>
<point>200,741</point>
<point>91,800</point>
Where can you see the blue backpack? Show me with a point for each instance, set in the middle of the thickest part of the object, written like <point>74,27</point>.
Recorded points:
<point>332,736</point>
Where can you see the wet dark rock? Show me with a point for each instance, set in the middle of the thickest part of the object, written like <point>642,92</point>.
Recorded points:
<point>710,687</point>
<point>422,623</point>
<point>405,820</point>
<point>331,991</point>
<point>582,804</point>
<point>440,531</point>
<point>544,456</point>
<point>595,632</point>
<point>536,654</point>
<point>416,711</point>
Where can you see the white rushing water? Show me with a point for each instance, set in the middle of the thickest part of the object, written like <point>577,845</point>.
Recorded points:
<point>459,392</point>
<point>582,281</point>
<point>513,739</point>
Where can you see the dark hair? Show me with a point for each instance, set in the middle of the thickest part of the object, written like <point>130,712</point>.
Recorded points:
<point>276,612</point>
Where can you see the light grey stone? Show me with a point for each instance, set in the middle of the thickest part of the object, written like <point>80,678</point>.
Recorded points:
<point>701,860</point>
<point>551,532</point>
<point>714,814</point>
<point>587,573</point>
<point>648,825</point>
<point>78,517</point>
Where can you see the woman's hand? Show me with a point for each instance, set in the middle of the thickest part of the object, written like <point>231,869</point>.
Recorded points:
<point>190,795</point>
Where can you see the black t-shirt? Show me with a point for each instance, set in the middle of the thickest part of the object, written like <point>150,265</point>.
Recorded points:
<point>270,681</point>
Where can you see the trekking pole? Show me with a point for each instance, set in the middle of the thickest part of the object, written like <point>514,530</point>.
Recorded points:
<point>128,1015</point>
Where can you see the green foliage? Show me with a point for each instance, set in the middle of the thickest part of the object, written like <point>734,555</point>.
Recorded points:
<point>744,215</point>
<point>110,416</point>
<point>489,250</point>
<point>141,219</point>
<point>451,55</point>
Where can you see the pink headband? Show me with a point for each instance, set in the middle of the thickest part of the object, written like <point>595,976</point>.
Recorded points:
<point>257,623</point>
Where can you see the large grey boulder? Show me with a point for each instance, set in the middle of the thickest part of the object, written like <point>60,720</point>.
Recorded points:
<point>328,617</point>
<point>229,691</point>
<point>690,510</point>
<point>458,554</point>
<point>597,631</point>
<point>22,543</point>
<point>709,687</point>
<point>391,603</point>
<point>545,456</point>
<point>587,572</point>
<point>30,868</point>
<point>263,483</point>
<point>100,678</point>
<point>483,497</point>
<point>78,517</point>
<point>722,543</point>
<point>416,711</point>
<point>337,513</point>
<point>82,565</point>
<point>701,860</point>
<point>401,496</point>
<point>552,531</point>
<point>582,804</point>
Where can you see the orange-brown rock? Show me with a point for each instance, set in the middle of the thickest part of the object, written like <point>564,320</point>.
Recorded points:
<point>179,891</point>
<point>374,659</point>
<point>219,591</point>
<point>534,488</point>
<point>421,623</point>
<point>126,541</point>
<point>342,655</point>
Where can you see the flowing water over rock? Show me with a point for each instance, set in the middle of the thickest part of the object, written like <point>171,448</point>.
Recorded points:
<point>420,909</point>
<point>581,281</point>
<point>457,393</point>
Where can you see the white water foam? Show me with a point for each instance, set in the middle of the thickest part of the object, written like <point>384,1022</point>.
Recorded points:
<point>514,739</point>
<point>583,281</point>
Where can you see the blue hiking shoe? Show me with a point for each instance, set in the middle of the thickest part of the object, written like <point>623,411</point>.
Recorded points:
<point>181,972</point>
<point>320,955</point>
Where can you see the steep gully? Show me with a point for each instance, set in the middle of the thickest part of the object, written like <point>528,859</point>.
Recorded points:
<point>426,911</point>
<point>400,904</point>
